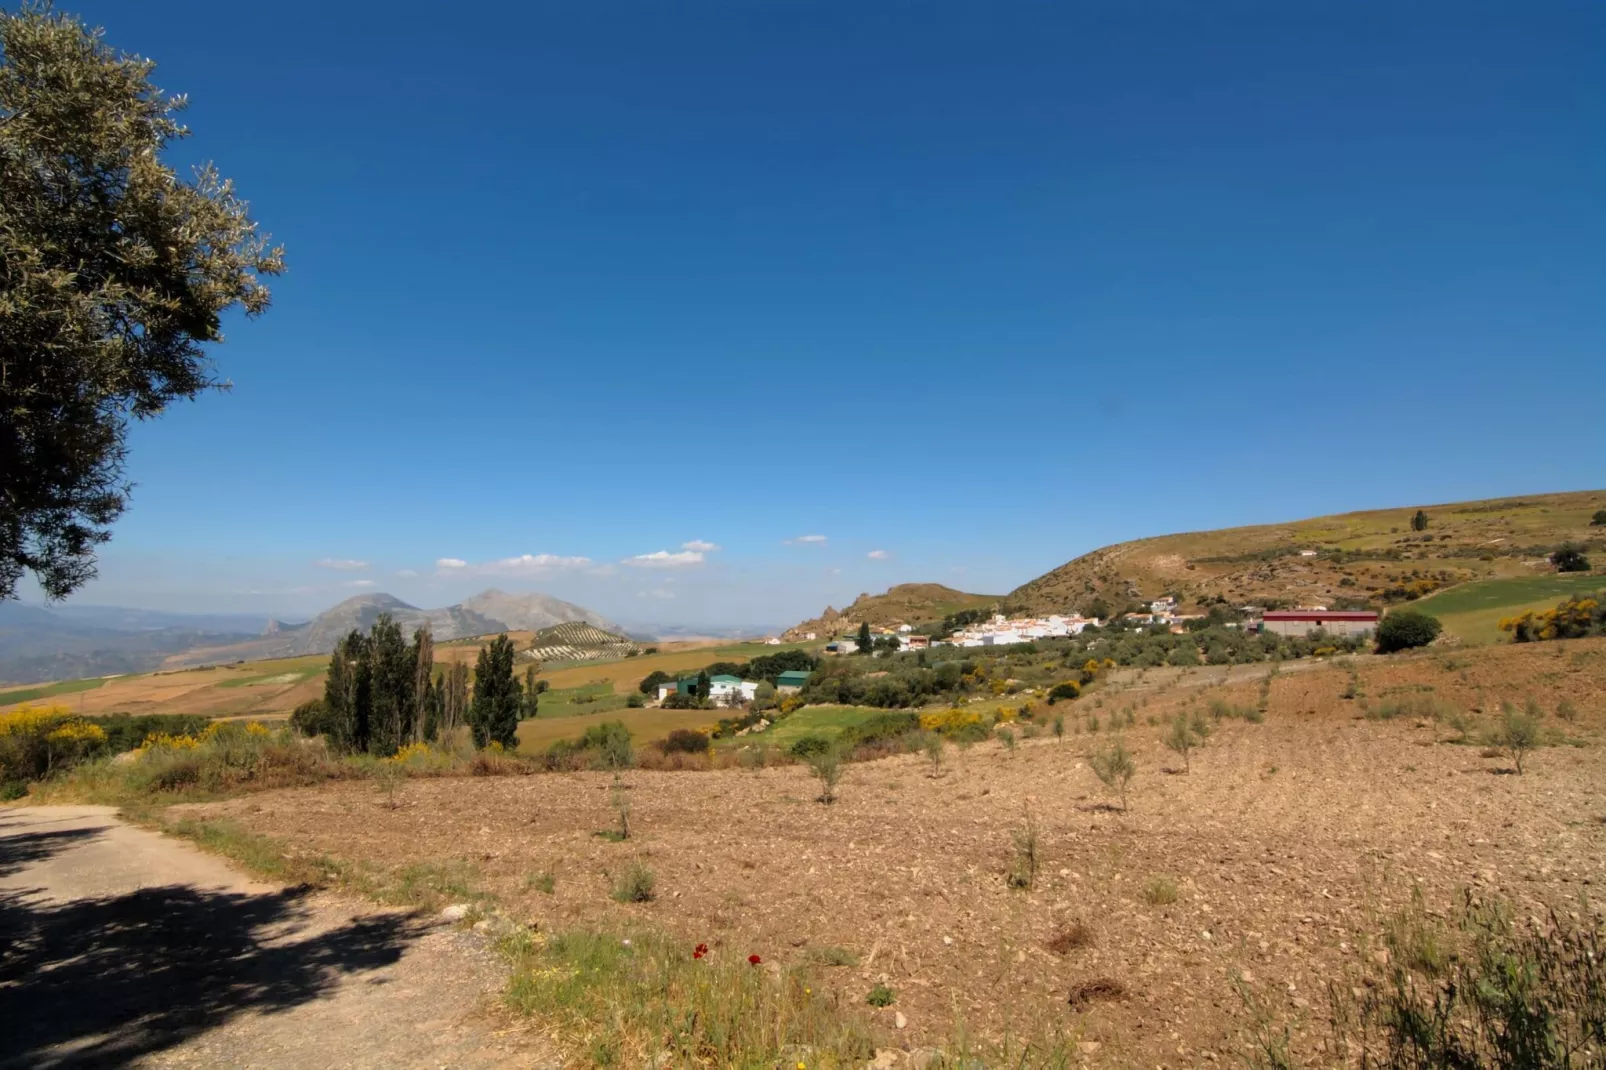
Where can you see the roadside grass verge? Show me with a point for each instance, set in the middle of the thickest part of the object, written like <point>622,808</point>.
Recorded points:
<point>643,999</point>
<point>418,885</point>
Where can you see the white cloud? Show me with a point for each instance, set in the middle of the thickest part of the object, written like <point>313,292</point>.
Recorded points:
<point>533,563</point>
<point>407,574</point>
<point>522,565</point>
<point>699,546</point>
<point>656,592</point>
<point>358,583</point>
<point>665,559</point>
<point>806,540</point>
<point>341,564</point>
<point>878,555</point>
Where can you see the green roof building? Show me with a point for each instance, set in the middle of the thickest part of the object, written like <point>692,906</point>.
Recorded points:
<point>792,680</point>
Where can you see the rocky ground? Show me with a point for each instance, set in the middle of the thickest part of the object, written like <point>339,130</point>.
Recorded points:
<point>1287,844</point>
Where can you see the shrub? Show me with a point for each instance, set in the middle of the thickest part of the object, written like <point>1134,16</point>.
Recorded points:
<point>1160,891</point>
<point>1066,690</point>
<point>1006,736</point>
<point>635,700</point>
<point>880,996</point>
<point>1511,996</point>
<point>932,744</point>
<point>1519,733</point>
<point>610,742</point>
<point>37,741</point>
<point>1023,870</point>
<point>1059,727</point>
<point>1569,558</point>
<point>1181,740</point>
<point>635,884</point>
<point>879,728</point>
<point>1405,629</point>
<point>826,766</point>
<point>686,741</point>
<point>1114,767</point>
<point>1072,937</point>
<point>312,718</point>
<point>808,746</point>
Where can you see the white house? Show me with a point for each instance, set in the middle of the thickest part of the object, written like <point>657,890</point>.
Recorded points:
<point>730,691</point>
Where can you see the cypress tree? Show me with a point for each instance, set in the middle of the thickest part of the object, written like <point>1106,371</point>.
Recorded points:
<point>705,686</point>
<point>391,668</point>
<point>866,644</point>
<point>494,715</point>
<point>337,694</point>
<point>532,694</point>
<point>423,678</point>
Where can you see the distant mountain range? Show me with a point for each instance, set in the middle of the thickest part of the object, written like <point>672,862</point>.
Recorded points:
<point>61,642</point>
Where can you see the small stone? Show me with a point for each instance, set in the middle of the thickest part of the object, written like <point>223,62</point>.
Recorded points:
<point>948,940</point>
<point>455,912</point>
<point>1381,957</point>
<point>885,1059</point>
<point>899,1020</point>
<point>1088,1047</point>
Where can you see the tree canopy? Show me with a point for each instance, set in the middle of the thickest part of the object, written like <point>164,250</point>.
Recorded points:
<point>114,272</point>
<point>494,715</point>
<point>1406,628</point>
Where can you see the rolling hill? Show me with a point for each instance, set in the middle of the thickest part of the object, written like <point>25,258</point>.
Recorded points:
<point>487,612</point>
<point>1364,558</point>
<point>907,603</point>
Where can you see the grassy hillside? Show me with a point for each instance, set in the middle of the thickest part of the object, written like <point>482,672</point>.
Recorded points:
<point>1472,611</point>
<point>1370,557</point>
<point>907,603</point>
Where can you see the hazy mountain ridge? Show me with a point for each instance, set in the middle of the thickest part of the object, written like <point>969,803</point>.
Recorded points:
<point>44,643</point>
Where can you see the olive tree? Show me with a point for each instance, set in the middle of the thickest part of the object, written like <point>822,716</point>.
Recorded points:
<point>114,274</point>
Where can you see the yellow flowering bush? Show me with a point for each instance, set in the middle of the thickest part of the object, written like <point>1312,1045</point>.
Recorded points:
<point>36,741</point>
<point>949,720</point>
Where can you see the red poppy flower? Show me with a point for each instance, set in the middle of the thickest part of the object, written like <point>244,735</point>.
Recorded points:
<point>753,960</point>
<point>702,949</point>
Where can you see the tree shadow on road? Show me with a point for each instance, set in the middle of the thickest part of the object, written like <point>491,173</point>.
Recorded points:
<point>18,851</point>
<point>100,982</point>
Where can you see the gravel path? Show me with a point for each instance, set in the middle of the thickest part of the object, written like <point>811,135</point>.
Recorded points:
<point>121,947</point>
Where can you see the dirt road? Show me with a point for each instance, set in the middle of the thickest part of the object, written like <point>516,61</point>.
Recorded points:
<point>120,947</point>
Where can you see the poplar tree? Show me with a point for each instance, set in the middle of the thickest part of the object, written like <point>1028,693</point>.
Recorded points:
<point>532,694</point>
<point>494,714</point>
<point>423,679</point>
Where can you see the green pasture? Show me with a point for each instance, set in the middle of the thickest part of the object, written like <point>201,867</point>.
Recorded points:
<point>1472,611</point>
<point>64,687</point>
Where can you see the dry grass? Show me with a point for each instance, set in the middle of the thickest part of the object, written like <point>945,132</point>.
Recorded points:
<point>1289,847</point>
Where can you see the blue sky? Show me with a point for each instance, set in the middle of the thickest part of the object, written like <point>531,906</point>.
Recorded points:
<point>980,287</point>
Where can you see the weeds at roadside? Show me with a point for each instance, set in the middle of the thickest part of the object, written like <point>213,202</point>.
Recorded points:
<point>645,999</point>
<point>881,996</point>
<point>545,882</point>
<point>636,885</point>
<point>1519,733</point>
<point>1494,993</point>
<point>833,956</point>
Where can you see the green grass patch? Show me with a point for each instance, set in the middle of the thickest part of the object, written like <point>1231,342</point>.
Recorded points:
<point>595,697</point>
<point>618,1000</point>
<point>259,854</point>
<point>64,687</point>
<point>1472,611</point>
<point>810,721</point>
